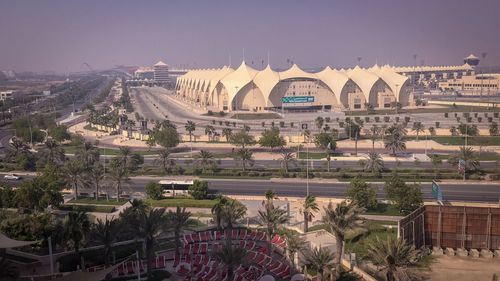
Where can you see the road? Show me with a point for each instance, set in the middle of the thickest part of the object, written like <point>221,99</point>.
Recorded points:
<point>467,191</point>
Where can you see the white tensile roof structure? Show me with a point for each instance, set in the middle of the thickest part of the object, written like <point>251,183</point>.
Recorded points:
<point>160,63</point>
<point>7,243</point>
<point>233,80</point>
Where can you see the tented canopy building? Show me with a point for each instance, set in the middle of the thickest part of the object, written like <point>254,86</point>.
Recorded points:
<point>248,89</point>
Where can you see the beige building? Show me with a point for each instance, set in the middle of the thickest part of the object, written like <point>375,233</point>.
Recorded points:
<point>248,89</point>
<point>481,84</point>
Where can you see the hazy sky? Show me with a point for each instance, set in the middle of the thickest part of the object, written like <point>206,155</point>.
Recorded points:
<point>61,35</point>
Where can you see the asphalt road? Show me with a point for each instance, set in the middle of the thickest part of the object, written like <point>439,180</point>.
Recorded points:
<point>467,192</point>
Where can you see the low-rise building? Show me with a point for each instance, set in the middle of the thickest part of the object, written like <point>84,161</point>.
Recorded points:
<point>6,95</point>
<point>481,84</point>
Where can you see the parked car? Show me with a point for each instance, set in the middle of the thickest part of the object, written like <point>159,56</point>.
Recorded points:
<point>12,177</point>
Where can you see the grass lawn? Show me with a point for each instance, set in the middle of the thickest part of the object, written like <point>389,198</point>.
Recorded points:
<point>485,156</point>
<point>385,210</point>
<point>316,155</point>
<point>182,202</point>
<point>72,149</point>
<point>358,239</point>
<point>92,201</point>
<point>255,116</point>
<point>88,208</point>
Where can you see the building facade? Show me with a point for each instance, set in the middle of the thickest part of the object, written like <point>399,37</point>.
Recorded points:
<point>481,84</point>
<point>6,95</point>
<point>160,72</point>
<point>144,73</point>
<point>248,89</point>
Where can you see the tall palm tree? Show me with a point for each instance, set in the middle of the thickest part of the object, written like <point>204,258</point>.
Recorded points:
<point>232,212</point>
<point>19,146</point>
<point>231,256</point>
<point>322,261</point>
<point>308,208</point>
<point>118,174</point>
<point>245,157</point>
<point>345,216</point>
<point>73,172</point>
<point>227,133</point>
<point>205,160</point>
<point>392,255</point>
<point>164,160</point>
<point>210,131</point>
<point>294,244</point>
<point>124,155</point>
<point>395,138</point>
<point>54,153</point>
<point>88,154</point>
<point>218,208</point>
<point>96,177</point>
<point>271,219</point>
<point>180,220</point>
<point>270,196</point>
<point>76,226</point>
<point>287,158</point>
<point>106,232</point>
<point>374,134</point>
<point>307,135</point>
<point>151,226</point>
<point>190,128</point>
<point>373,163</point>
<point>319,121</point>
<point>418,128</point>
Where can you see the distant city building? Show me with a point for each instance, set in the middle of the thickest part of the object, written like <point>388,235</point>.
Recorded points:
<point>481,84</point>
<point>248,89</point>
<point>6,95</point>
<point>46,93</point>
<point>144,73</point>
<point>160,72</point>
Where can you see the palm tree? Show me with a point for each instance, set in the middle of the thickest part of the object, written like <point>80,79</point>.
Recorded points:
<point>96,176</point>
<point>232,212</point>
<point>124,155</point>
<point>309,207</point>
<point>88,154</point>
<point>270,196</point>
<point>106,232</point>
<point>469,157</point>
<point>151,226</point>
<point>344,217</point>
<point>322,261</point>
<point>294,244</point>
<point>210,131</point>
<point>217,210</point>
<point>179,220</point>
<point>164,160</point>
<point>319,121</point>
<point>307,135</point>
<point>395,138</point>
<point>393,256</point>
<point>245,157</point>
<point>54,153</point>
<point>271,219</point>
<point>374,134</point>
<point>205,160</point>
<point>231,257</point>
<point>73,171</point>
<point>118,174</point>
<point>287,158</point>
<point>190,128</point>
<point>373,163</point>
<point>76,227</point>
<point>227,133</point>
<point>418,128</point>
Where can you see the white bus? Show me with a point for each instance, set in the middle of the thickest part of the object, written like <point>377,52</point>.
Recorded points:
<point>173,187</point>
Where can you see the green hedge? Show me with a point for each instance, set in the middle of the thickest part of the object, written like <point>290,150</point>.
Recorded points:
<point>88,208</point>
<point>182,202</point>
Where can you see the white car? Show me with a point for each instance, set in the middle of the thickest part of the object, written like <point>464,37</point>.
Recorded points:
<point>12,177</point>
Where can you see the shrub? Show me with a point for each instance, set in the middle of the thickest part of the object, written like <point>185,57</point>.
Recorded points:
<point>154,190</point>
<point>210,113</point>
<point>446,115</point>
<point>199,189</point>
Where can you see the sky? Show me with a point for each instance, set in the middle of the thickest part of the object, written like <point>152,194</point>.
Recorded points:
<point>62,35</point>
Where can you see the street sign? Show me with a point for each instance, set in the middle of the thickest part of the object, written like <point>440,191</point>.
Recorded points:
<point>436,191</point>
<point>297,99</point>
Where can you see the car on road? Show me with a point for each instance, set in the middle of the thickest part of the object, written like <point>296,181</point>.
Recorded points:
<point>12,177</point>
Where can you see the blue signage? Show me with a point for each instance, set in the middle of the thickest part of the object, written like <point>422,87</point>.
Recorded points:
<point>436,191</point>
<point>297,99</point>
